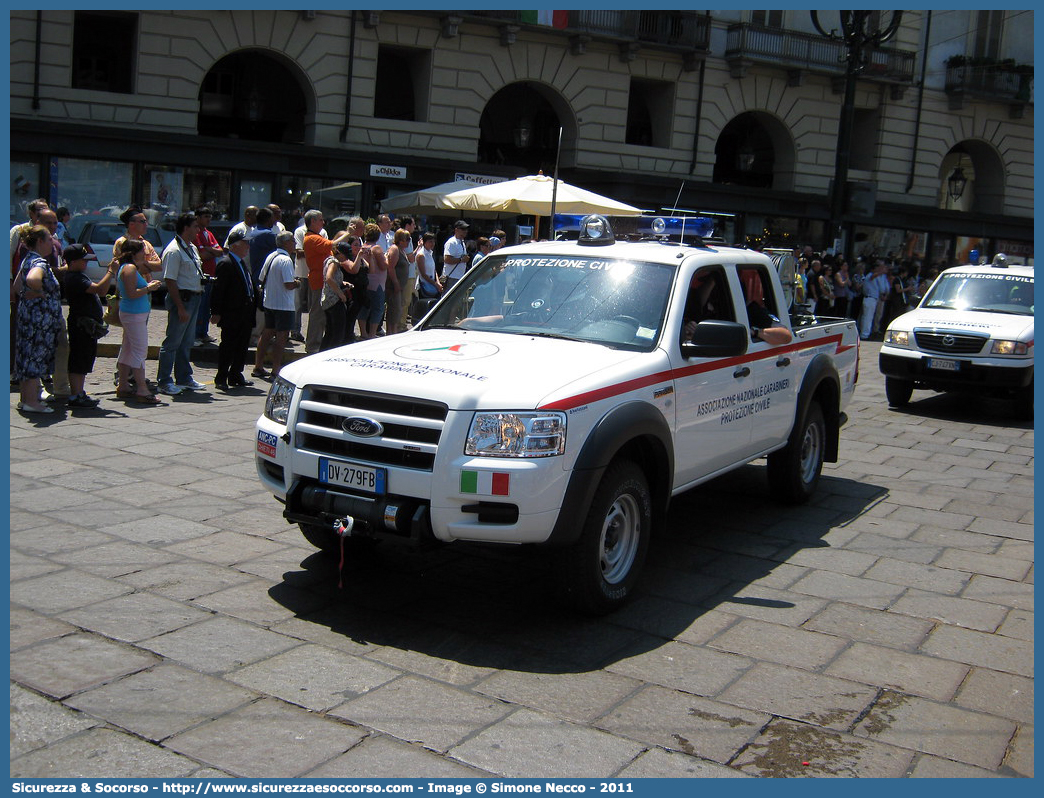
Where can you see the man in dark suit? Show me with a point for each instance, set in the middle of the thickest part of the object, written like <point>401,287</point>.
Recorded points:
<point>232,309</point>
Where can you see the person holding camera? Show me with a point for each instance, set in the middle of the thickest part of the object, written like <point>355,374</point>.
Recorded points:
<point>183,276</point>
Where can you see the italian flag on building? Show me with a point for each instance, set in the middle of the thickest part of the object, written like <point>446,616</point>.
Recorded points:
<point>556,19</point>
<point>485,483</point>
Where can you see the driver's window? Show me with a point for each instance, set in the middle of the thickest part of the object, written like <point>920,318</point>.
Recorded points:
<point>708,298</point>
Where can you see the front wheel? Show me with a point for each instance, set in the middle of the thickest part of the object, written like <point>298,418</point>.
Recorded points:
<point>1023,406</point>
<point>898,391</point>
<point>326,540</point>
<point>598,573</point>
<point>793,471</point>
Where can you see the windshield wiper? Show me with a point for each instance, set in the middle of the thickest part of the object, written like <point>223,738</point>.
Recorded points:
<point>559,336</point>
<point>998,310</point>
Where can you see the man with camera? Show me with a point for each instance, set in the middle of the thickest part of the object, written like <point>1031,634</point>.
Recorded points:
<point>183,276</point>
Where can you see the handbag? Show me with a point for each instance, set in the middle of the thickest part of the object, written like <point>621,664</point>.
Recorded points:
<point>112,310</point>
<point>92,327</point>
<point>427,290</point>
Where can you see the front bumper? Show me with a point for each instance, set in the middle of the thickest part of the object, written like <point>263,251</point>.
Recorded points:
<point>983,374</point>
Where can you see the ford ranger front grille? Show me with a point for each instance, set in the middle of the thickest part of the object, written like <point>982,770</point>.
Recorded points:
<point>950,343</point>
<point>375,428</point>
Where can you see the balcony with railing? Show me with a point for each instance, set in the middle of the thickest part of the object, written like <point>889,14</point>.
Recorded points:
<point>1003,81</point>
<point>686,32</point>
<point>799,52</point>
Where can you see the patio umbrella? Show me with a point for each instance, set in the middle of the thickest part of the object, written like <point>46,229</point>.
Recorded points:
<point>425,200</point>
<point>532,195</point>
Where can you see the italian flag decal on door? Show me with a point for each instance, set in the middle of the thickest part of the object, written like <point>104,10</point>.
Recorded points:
<point>485,483</point>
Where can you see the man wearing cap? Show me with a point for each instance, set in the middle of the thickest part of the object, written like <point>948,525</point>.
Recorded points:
<point>455,255</point>
<point>232,309</point>
<point>85,312</point>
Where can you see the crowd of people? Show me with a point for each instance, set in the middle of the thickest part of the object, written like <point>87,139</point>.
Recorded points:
<point>872,290</point>
<point>257,287</point>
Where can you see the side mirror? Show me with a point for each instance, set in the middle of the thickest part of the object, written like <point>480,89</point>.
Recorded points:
<point>717,339</point>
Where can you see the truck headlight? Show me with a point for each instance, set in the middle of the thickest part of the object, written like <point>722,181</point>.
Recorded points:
<point>1008,348</point>
<point>897,338</point>
<point>516,434</point>
<point>277,405</point>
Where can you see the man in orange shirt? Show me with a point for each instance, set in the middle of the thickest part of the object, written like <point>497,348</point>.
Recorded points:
<point>317,249</point>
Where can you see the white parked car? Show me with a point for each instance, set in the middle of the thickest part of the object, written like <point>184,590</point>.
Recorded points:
<point>972,331</point>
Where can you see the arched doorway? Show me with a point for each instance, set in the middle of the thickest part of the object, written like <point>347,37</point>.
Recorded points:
<point>971,178</point>
<point>519,127</point>
<point>754,151</point>
<point>253,95</point>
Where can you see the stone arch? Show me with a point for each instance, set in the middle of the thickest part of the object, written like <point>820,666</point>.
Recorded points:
<point>984,170</point>
<point>256,94</point>
<point>519,126</point>
<point>755,149</point>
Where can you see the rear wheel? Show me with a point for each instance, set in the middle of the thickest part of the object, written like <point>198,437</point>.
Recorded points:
<point>794,470</point>
<point>898,391</point>
<point>598,573</point>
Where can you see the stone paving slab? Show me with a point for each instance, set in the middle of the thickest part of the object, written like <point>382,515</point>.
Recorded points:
<point>417,710</point>
<point>267,739</point>
<point>787,750</point>
<point>921,725</point>
<point>677,721</point>
<point>183,628</point>
<point>532,745</point>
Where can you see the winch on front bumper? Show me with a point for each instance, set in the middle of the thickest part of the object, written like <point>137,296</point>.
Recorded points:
<point>390,517</point>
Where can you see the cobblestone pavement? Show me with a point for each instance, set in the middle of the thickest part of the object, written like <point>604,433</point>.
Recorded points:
<point>166,621</point>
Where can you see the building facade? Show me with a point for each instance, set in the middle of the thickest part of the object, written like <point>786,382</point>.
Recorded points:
<point>734,114</point>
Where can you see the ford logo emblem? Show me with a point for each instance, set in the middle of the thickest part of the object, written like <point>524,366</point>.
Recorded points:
<point>362,427</point>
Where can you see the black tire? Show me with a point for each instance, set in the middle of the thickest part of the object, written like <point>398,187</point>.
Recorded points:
<point>1023,405</point>
<point>322,537</point>
<point>598,573</point>
<point>794,470</point>
<point>898,391</point>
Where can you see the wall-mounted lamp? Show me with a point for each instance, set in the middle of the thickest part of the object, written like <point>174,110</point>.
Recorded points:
<point>956,183</point>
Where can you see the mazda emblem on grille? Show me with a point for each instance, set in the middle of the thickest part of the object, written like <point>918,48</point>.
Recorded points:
<point>362,427</point>
<point>949,340</point>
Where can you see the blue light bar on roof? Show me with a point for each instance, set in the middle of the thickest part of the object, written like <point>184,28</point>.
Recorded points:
<point>671,227</point>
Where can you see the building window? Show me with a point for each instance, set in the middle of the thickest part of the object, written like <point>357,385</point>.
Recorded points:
<point>87,186</point>
<point>403,75</point>
<point>104,46</point>
<point>650,106</point>
<point>251,95</point>
<point>988,29</point>
<point>25,187</point>
<point>767,19</point>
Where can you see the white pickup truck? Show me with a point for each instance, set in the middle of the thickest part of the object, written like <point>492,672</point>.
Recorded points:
<point>972,331</point>
<point>558,395</point>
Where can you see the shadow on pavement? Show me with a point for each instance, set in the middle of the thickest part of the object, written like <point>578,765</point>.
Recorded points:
<point>497,607</point>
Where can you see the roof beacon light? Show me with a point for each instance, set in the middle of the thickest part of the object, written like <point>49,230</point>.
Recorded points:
<point>659,226</point>
<point>595,231</point>
<point>1000,261</point>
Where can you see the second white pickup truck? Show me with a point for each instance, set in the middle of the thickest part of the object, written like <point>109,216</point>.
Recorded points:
<point>559,395</point>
